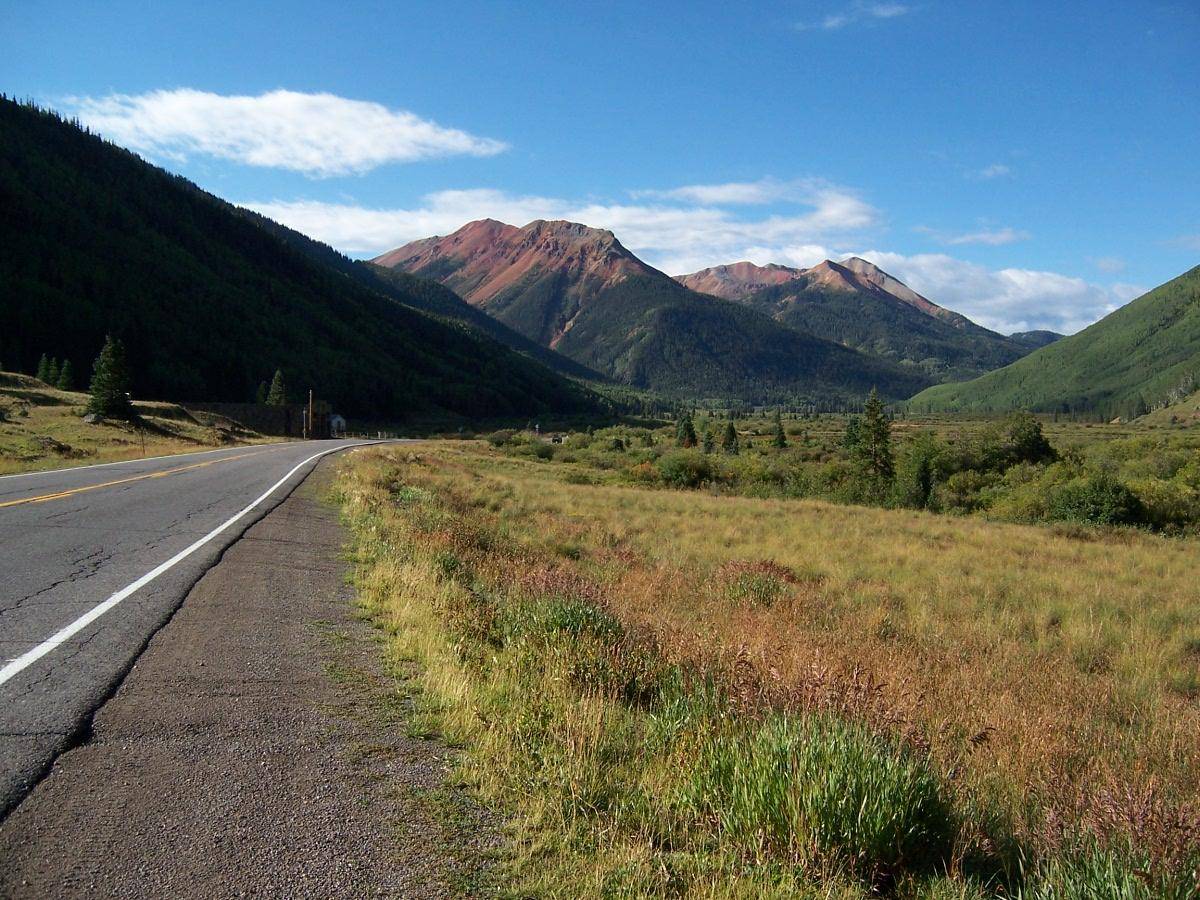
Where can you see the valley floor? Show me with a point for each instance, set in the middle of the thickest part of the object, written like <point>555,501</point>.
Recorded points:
<point>685,693</point>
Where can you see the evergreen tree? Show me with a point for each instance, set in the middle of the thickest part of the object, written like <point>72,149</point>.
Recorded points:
<point>66,377</point>
<point>853,435</point>
<point>260,396</point>
<point>43,369</point>
<point>110,382</point>
<point>277,395</point>
<point>685,431</point>
<point>710,440</point>
<point>52,372</point>
<point>872,452</point>
<point>729,443</point>
<point>779,441</point>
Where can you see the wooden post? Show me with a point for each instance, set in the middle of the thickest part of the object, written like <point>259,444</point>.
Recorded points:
<point>312,430</point>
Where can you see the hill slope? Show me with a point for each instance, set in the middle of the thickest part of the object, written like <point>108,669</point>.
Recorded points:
<point>578,290</point>
<point>1134,356</point>
<point>209,302</point>
<point>857,304</point>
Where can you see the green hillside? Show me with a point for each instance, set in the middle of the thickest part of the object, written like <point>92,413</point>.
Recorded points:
<point>648,331</point>
<point>1131,359</point>
<point>209,302</point>
<point>883,326</point>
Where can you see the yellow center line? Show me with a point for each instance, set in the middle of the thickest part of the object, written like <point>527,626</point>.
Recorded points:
<point>44,498</point>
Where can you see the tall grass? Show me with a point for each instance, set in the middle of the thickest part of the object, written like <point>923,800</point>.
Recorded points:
<point>679,694</point>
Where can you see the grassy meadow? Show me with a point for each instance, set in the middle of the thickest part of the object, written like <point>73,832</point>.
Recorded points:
<point>42,428</point>
<point>696,693</point>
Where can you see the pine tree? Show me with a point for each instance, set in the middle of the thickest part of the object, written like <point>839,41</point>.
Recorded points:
<point>277,395</point>
<point>52,372</point>
<point>110,382</point>
<point>43,369</point>
<point>779,441</point>
<point>729,443</point>
<point>66,377</point>
<point>710,440</point>
<point>685,431</point>
<point>260,396</point>
<point>872,453</point>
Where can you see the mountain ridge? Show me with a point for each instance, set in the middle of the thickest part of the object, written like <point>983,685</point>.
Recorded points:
<point>580,291</point>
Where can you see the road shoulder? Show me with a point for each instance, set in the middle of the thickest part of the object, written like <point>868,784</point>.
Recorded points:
<point>257,747</point>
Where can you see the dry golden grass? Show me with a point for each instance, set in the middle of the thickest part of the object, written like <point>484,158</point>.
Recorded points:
<point>1052,675</point>
<point>42,428</point>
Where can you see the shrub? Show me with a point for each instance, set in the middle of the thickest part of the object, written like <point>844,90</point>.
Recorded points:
<point>500,438</point>
<point>686,468</point>
<point>831,794</point>
<point>1097,500</point>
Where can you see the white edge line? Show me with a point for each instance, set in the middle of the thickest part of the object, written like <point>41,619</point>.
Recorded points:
<point>63,635</point>
<point>125,462</point>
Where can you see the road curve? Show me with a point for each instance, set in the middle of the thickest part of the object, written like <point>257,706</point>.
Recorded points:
<point>93,561</point>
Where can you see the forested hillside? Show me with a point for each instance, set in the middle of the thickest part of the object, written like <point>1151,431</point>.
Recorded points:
<point>1129,361</point>
<point>209,303</point>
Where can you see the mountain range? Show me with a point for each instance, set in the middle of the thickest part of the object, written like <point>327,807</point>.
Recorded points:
<point>854,302</point>
<point>579,291</point>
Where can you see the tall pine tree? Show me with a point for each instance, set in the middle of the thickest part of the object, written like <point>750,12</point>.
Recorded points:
<point>779,439</point>
<point>277,395</point>
<point>729,443</point>
<point>43,369</point>
<point>110,382</point>
<point>872,452</point>
<point>66,377</point>
<point>685,431</point>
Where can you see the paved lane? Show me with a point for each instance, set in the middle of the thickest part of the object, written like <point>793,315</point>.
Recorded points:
<point>74,540</point>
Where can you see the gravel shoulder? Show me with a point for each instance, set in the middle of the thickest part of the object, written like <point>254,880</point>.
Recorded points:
<point>257,748</point>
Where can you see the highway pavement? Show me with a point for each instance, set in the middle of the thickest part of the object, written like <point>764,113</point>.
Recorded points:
<point>93,561</point>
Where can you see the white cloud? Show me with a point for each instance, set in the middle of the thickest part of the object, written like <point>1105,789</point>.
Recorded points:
<point>683,235</point>
<point>676,237</point>
<point>1110,264</point>
<point>997,237</point>
<point>859,12</point>
<point>1006,300</point>
<point>1188,241</point>
<point>995,170</point>
<point>320,135</point>
<point>991,237</point>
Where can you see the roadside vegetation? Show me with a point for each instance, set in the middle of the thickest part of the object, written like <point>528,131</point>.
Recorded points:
<point>1017,468</point>
<point>42,427</point>
<point>692,693</point>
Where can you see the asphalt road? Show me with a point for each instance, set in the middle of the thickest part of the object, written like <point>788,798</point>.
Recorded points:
<point>92,564</point>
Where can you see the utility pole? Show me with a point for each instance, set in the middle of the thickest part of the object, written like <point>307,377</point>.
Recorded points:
<point>311,424</point>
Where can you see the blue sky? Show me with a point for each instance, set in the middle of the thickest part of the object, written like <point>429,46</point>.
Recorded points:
<point>1029,164</point>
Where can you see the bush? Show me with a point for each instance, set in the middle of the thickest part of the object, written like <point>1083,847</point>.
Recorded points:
<point>500,438</point>
<point>831,794</point>
<point>1097,500</point>
<point>686,468</point>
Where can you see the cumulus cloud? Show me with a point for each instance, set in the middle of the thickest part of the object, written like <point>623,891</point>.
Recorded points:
<point>320,135</point>
<point>675,236</point>
<point>856,13</point>
<point>676,232</point>
<point>1006,300</point>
